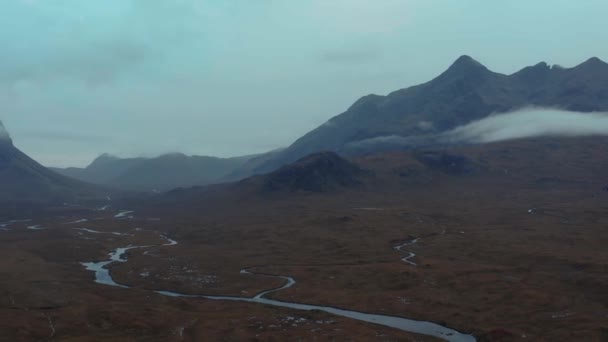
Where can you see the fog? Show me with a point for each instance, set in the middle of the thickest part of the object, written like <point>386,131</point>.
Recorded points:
<point>528,123</point>
<point>525,123</point>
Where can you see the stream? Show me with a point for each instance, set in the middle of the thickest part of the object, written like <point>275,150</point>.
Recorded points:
<point>103,276</point>
<point>411,255</point>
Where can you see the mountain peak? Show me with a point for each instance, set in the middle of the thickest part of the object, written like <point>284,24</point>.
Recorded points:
<point>593,62</point>
<point>465,67</point>
<point>103,159</point>
<point>318,172</point>
<point>466,62</point>
<point>534,74</point>
<point>106,156</point>
<point>4,135</point>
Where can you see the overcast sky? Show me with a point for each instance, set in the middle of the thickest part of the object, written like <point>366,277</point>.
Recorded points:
<point>233,77</point>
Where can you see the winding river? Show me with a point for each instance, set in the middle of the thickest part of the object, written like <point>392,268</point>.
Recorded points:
<point>103,276</point>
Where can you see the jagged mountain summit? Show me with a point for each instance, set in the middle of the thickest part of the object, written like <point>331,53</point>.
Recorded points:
<point>4,136</point>
<point>22,179</point>
<point>465,92</point>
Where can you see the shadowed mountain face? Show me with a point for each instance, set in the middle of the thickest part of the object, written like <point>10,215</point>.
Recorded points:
<point>24,180</point>
<point>547,165</point>
<point>466,92</point>
<point>320,172</point>
<point>161,173</point>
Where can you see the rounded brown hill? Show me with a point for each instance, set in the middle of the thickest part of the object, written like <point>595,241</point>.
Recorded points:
<point>319,172</point>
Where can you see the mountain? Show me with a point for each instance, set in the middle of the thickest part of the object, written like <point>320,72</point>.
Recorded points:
<point>22,179</point>
<point>161,173</point>
<point>319,172</point>
<point>102,170</point>
<point>465,92</point>
<point>550,167</point>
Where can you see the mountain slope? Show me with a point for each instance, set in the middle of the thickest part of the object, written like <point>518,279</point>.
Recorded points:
<point>550,166</point>
<point>23,179</point>
<point>467,91</point>
<point>320,172</point>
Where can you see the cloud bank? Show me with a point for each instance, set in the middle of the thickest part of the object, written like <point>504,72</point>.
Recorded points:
<point>529,123</point>
<point>90,41</point>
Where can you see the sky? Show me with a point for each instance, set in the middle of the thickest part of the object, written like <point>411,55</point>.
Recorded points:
<point>235,77</point>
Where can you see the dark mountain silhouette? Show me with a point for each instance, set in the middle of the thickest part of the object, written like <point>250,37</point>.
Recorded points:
<point>319,172</point>
<point>552,165</point>
<point>467,91</point>
<point>22,179</point>
<point>161,173</point>
<point>102,170</point>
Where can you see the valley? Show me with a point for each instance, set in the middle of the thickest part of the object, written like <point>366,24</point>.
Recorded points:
<point>342,170</point>
<point>470,252</point>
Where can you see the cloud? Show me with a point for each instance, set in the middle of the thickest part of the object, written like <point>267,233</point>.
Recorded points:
<point>99,63</point>
<point>90,41</point>
<point>529,123</point>
<point>534,122</point>
<point>426,126</point>
<point>67,136</point>
<point>362,54</point>
<point>362,16</point>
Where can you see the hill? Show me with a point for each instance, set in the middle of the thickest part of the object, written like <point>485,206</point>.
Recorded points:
<point>319,172</point>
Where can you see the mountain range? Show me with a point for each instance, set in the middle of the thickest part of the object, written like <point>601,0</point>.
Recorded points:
<point>465,92</point>
<point>408,118</point>
<point>155,174</point>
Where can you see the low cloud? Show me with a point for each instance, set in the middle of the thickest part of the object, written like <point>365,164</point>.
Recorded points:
<point>426,126</point>
<point>529,123</point>
<point>521,124</point>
